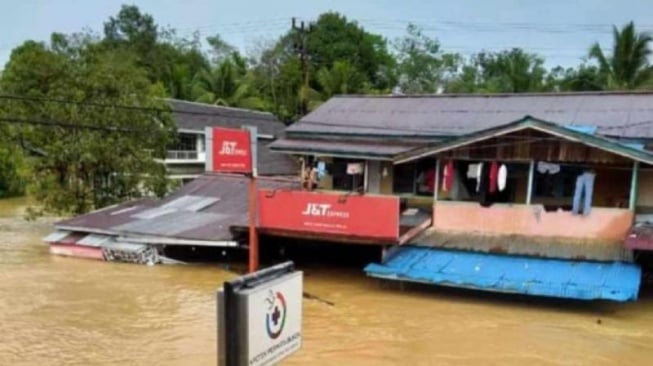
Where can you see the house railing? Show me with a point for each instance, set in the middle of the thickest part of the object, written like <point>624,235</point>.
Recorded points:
<point>181,155</point>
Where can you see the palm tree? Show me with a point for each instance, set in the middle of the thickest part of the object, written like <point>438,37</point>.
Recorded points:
<point>341,78</point>
<point>227,84</point>
<point>628,66</point>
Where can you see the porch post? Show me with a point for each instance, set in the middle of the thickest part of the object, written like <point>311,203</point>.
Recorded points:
<point>366,175</point>
<point>529,190</point>
<point>303,169</point>
<point>632,199</point>
<point>436,187</point>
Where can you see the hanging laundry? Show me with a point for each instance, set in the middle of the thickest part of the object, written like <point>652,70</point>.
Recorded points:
<point>494,176</point>
<point>472,171</point>
<point>547,168</point>
<point>429,180</point>
<point>584,191</point>
<point>447,182</point>
<point>502,177</point>
<point>458,189</point>
<point>321,169</point>
<point>479,176</point>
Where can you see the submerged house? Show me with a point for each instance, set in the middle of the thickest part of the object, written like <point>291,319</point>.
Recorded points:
<point>208,211</point>
<point>186,159</point>
<point>544,194</point>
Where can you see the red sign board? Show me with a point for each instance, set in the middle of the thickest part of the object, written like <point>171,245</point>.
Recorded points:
<point>373,217</point>
<point>231,151</point>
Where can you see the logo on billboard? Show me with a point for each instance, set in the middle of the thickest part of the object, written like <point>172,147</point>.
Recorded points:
<point>275,317</point>
<point>231,148</point>
<point>323,210</point>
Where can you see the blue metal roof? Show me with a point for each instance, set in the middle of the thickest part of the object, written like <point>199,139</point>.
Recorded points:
<point>583,280</point>
<point>586,129</point>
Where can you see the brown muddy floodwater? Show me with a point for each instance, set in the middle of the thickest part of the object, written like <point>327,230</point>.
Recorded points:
<point>62,311</point>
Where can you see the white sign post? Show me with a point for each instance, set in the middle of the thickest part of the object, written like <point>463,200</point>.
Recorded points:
<point>260,317</point>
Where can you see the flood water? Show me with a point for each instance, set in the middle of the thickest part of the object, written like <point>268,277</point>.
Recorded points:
<point>62,311</point>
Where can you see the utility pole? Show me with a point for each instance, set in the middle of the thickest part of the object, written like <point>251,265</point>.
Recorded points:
<point>301,35</point>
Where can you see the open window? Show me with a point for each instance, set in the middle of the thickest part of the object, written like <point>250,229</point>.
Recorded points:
<point>348,175</point>
<point>415,178</point>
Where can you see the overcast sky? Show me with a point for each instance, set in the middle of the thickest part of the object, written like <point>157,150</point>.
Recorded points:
<point>560,30</point>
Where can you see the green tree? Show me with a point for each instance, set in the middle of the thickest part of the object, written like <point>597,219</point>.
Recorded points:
<point>341,78</point>
<point>91,155</point>
<point>12,170</point>
<point>582,78</point>
<point>422,67</point>
<point>167,58</point>
<point>228,84</point>
<point>276,75</point>
<point>627,67</point>
<point>510,71</point>
<point>335,38</point>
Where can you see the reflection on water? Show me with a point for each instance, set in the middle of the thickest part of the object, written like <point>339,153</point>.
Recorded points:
<point>61,311</point>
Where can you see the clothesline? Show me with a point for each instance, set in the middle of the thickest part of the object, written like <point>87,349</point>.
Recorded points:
<point>528,161</point>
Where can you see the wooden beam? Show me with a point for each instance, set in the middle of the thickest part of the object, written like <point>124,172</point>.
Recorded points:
<point>632,199</point>
<point>531,175</point>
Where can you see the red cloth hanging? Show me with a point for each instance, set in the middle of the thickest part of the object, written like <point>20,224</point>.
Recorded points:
<point>494,176</point>
<point>447,180</point>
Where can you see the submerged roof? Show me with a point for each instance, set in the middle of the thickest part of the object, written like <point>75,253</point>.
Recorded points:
<point>205,209</point>
<point>583,280</point>
<point>622,114</point>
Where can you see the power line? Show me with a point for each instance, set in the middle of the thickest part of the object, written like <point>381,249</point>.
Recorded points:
<point>69,125</point>
<point>129,107</point>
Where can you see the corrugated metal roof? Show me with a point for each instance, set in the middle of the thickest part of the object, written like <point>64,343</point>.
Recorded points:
<point>196,116</point>
<point>599,142</point>
<point>614,114</point>
<point>271,163</point>
<point>170,224</point>
<point>190,203</point>
<point>213,222</point>
<point>56,236</point>
<point>95,240</point>
<point>349,148</point>
<point>583,280</point>
<point>104,219</point>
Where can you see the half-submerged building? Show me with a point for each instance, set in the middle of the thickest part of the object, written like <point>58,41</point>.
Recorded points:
<point>543,194</point>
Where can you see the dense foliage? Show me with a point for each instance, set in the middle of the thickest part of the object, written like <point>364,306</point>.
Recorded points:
<point>135,62</point>
<point>87,150</point>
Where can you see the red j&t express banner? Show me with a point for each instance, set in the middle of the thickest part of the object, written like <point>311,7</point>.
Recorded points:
<point>324,213</point>
<point>231,151</point>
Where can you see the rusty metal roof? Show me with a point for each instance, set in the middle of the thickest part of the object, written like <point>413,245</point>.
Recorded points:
<point>618,114</point>
<point>224,206</point>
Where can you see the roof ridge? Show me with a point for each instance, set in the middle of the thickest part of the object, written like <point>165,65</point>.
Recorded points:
<point>219,106</point>
<point>497,95</point>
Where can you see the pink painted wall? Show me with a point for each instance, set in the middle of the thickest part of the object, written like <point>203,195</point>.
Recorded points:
<point>502,219</point>
<point>78,251</point>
